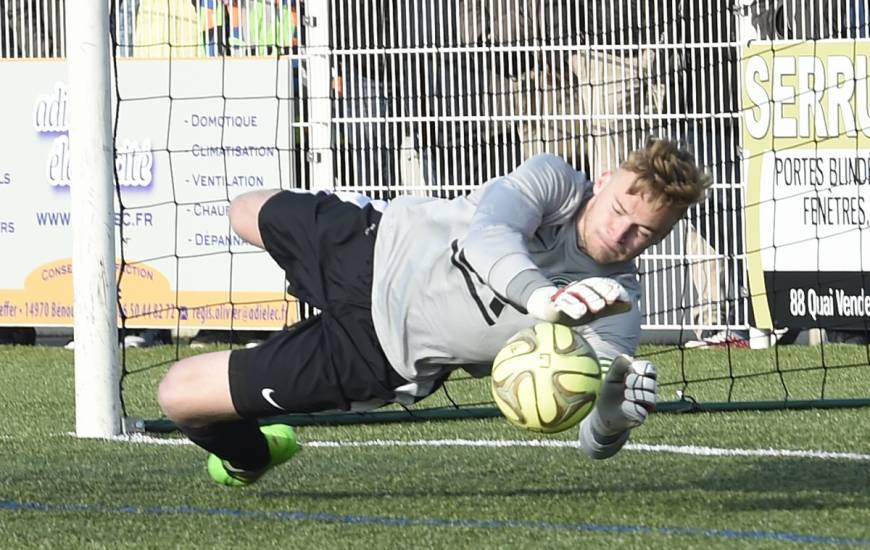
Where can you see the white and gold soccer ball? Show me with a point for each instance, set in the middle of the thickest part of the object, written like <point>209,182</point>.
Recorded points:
<point>546,378</point>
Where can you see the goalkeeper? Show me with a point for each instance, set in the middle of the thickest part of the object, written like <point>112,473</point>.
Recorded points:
<point>426,286</point>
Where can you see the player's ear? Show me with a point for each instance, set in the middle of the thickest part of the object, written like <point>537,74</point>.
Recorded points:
<point>602,180</point>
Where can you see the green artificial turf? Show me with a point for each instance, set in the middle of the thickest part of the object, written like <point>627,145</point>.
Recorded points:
<point>60,491</point>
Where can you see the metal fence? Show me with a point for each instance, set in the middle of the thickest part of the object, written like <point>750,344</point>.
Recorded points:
<point>432,97</point>
<point>32,28</point>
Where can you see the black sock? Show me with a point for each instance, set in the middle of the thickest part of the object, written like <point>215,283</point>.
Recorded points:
<point>239,442</point>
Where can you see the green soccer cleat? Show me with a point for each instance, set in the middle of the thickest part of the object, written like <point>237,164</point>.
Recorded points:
<point>282,446</point>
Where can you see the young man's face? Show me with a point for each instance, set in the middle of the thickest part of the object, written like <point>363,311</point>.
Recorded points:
<point>616,226</point>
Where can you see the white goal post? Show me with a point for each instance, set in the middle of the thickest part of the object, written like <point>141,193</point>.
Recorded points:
<point>97,374</point>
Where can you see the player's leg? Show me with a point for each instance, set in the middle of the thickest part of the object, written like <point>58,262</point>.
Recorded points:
<point>329,362</point>
<point>244,214</point>
<point>195,392</point>
<point>196,395</point>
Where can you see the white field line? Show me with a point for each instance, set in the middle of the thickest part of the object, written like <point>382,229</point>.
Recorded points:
<point>693,450</point>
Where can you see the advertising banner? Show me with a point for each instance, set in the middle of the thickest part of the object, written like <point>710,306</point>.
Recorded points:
<point>806,138</point>
<point>190,136</point>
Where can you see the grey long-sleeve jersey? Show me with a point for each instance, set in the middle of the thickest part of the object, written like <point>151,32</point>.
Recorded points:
<point>452,278</point>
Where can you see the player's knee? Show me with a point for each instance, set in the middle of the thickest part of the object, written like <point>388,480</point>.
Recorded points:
<point>195,392</point>
<point>244,214</point>
<point>240,217</point>
<point>238,210</point>
<point>173,394</point>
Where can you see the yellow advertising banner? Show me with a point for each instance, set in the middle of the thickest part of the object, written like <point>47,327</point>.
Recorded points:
<point>146,300</point>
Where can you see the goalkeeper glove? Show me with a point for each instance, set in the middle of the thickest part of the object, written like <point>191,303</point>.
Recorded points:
<point>582,301</point>
<point>627,397</point>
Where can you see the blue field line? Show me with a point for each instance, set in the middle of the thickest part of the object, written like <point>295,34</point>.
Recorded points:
<point>325,517</point>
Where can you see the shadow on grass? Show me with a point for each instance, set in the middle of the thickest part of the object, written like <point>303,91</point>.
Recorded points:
<point>780,484</point>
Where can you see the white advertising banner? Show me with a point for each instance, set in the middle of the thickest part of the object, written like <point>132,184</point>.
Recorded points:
<point>806,138</point>
<point>190,136</point>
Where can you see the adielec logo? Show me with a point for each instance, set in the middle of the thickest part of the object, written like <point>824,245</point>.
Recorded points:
<point>134,160</point>
<point>267,395</point>
<point>50,113</point>
<point>133,163</point>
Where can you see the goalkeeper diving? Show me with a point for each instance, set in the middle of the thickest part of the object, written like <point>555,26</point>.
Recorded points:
<point>410,291</point>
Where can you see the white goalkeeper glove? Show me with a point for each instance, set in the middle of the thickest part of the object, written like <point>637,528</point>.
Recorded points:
<point>627,397</point>
<point>582,301</point>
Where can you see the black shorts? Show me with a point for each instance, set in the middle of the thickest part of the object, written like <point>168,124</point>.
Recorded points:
<point>333,360</point>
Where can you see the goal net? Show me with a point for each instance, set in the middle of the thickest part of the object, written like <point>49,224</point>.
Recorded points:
<point>217,97</point>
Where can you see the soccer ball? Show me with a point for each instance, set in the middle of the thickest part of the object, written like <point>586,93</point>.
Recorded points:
<point>546,378</point>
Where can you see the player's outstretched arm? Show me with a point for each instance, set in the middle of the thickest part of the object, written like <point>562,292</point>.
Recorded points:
<point>579,302</point>
<point>627,397</point>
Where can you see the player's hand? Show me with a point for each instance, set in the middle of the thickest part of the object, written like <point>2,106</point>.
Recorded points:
<point>582,301</point>
<point>627,396</point>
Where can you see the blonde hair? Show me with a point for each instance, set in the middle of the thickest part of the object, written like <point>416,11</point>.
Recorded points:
<point>667,175</point>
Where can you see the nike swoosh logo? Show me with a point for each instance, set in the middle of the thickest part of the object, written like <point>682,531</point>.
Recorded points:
<point>267,395</point>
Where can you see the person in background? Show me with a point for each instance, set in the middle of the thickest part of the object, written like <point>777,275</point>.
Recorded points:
<point>704,89</point>
<point>574,102</point>
<point>410,70</point>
